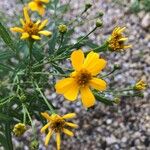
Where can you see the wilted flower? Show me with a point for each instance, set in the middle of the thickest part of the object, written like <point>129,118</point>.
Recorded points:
<point>57,124</point>
<point>31,30</point>
<point>83,78</point>
<point>117,40</point>
<point>38,5</point>
<point>140,85</point>
<point>19,129</point>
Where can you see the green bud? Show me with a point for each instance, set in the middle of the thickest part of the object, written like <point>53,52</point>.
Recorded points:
<point>62,28</point>
<point>34,145</point>
<point>99,23</point>
<point>117,67</point>
<point>100,14</point>
<point>23,98</point>
<point>87,6</point>
<point>117,100</point>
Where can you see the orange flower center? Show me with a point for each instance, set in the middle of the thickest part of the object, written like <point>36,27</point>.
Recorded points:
<point>31,28</point>
<point>57,124</point>
<point>39,4</point>
<point>83,77</point>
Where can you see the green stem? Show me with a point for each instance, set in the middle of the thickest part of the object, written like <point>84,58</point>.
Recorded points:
<point>61,40</point>
<point>30,53</point>
<point>44,98</point>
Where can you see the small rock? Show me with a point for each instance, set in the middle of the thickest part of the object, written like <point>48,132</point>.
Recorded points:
<point>146,21</point>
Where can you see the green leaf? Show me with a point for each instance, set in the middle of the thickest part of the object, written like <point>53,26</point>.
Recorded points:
<point>59,69</point>
<point>4,117</point>
<point>5,67</point>
<point>103,99</point>
<point>6,37</point>
<point>6,55</point>
<point>3,141</point>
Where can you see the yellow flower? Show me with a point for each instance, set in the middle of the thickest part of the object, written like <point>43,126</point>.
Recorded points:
<point>117,39</point>
<point>38,5</point>
<point>31,30</point>
<point>140,85</point>
<point>19,129</point>
<point>57,124</point>
<point>83,78</point>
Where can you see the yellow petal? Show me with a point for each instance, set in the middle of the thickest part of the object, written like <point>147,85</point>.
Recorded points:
<point>22,22</point>
<point>98,84</point>
<point>41,10</point>
<point>35,37</point>
<point>121,29</point>
<point>63,85</point>
<point>43,24</point>
<point>77,58</point>
<point>44,1</point>
<point>87,97</point>
<point>72,93</point>
<point>73,125</point>
<point>122,39</point>
<point>68,116</point>
<point>48,136</point>
<point>17,29</point>
<point>25,35</point>
<point>46,115</point>
<point>127,46</point>
<point>45,32</point>
<point>96,66</point>
<point>45,127</point>
<point>68,132</point>
<point>91,57</point>
<point>26,15</point>
<point>38,22</point>
<point>58,139</point>
<point>33,6</point>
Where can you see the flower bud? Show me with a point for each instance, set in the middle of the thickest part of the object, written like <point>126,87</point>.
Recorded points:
<point>19,129</point>
<point>34,145</point>
<point>23,98</point>
<point>117,100</point>
<point>62,28</point>
<point>117,67</point>
<point>99,23</point>
<point>87,6</point>
<point>140,85</point>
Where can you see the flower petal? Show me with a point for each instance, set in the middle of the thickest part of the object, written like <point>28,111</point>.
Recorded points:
<point>98,84</point>
<point>63,85</point>
<point>97,66</point>
<point>45,127</point>
<point>22,22</point>
<point>45,32</point>
<point>17,29</point>
<point>46,116</point>
<point>68,132</point>
<point>72,93</point>
<point>43,24</point>
<point>26,15</point>
<point>77,58</point>
<point>87,97</point>
<point>44,1</point>
<point>58,139</point>
<point>68,116</point>
<point>90,58</point>
<point>33,6</point>
<point>73,125</point>
<point>41,10</point>
<point>25,35</point>
<point>48,136</point>
<point>35,37</point>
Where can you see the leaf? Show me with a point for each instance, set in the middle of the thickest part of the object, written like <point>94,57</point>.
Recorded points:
<point>4,117</point>
<point>103,99</point>
<point>6,55</point>
<point>59,69</point>
<point>3,140</point>
<point>6,37</point>
<point>5,67</point>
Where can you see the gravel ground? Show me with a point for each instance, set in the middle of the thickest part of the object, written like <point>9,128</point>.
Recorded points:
<point>122,127</point>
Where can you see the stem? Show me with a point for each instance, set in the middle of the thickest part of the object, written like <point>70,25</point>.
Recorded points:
<point>30,54</point>
<point>61,40</point>
<point>44,98</point>
<point>123,90</point>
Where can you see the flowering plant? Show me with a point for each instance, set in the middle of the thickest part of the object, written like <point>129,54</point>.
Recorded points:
<point>31,64</point>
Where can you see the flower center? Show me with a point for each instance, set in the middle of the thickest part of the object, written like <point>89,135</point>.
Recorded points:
<point>31,28</point>
<point>83,77</point>
<point>57,125</point>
